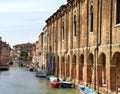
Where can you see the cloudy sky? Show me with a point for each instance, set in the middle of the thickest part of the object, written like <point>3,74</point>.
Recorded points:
<point>22,21</point>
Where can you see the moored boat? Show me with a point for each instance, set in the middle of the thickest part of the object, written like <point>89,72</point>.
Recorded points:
<point>53,78</point>
<point>31,69</point>
<point>4,67</point>
<point>86,90</point>
<point>65,84</point>
<point>54,84</point>
<point>41,73</point>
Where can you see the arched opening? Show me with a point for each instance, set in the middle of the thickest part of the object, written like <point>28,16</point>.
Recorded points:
<point>57,69</point>
<point>115,71</point>
<point>73,70</point>
<point>50,66</point>
<point>63,66</point>
<point>90,69</point>
<point>101,70</point>
<point>81,65</point>
<point>54,64</point>
<point>68,66</point>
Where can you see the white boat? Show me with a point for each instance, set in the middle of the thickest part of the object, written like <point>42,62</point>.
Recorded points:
<point>41,73</point>
<point>53,78</point>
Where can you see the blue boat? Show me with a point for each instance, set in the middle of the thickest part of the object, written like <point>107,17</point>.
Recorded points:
<point>65,84</point>
<point>41,73</point>
<point>86,90</point>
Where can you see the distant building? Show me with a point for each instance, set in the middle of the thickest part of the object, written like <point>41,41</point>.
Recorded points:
<point>25,48</point>
<point>45,34</point>
<point>38,53</point>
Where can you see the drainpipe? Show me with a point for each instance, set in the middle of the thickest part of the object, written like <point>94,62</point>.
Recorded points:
<point>87,37</point>
<point>96,49</point>
<point>95,68</point>
<point>100,22</point>
<point>99,35</point>
<point>111,37</point>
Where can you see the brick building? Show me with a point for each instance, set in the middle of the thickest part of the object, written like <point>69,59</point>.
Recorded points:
<point>22,48</point>
<point>38,53</point>
<point>83,42</point>
<point>45,47</point>
<point>5,51</point>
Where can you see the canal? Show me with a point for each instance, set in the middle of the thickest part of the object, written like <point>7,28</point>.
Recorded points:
<point>21,81</point>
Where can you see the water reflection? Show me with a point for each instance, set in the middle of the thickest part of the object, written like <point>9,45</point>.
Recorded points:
<point>21,81</point>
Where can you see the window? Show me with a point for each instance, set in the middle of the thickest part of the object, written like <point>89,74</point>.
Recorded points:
<point>91,18</point>
<point>117,11</point>
<point>74,25</point>
<point>62,30</point>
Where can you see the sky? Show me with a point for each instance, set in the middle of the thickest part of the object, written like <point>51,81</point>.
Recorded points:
<point>22,21</point>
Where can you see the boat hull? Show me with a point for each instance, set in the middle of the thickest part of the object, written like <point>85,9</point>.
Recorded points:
<point>66,85</point>
<point>4,68</point>
<point>41,73</point>
<point>31,69</point>
<point>54,84</point>
<point>86,90</point>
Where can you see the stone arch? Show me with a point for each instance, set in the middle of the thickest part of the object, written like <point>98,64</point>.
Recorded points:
<point>63,66</point>
<point>81,65</point>
<point>115,59</point>
<point>115,70</point>
<point>73,70</point>
<point>101,69</point>
<point>68,66</point>
<point>90,69</point>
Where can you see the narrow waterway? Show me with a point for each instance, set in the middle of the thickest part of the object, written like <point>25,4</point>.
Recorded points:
<point>21,81</point>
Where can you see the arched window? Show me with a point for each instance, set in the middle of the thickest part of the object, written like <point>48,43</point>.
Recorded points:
<point>62,30</point>
<point>74,25</point>
<point>91,18</point>
<point>117,11</point>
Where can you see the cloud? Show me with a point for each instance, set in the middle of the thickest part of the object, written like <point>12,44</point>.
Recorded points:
<point>21,17</point>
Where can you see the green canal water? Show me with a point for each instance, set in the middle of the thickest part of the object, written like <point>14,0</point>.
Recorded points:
<point>21,81</point>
